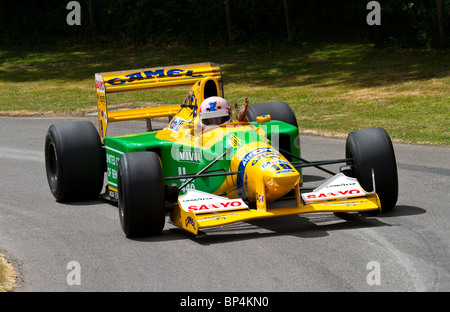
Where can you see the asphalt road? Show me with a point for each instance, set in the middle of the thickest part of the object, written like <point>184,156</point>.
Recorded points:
<point>405,250</point>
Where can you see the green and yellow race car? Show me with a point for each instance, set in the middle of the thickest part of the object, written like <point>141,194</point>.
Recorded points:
<point>208,166</point>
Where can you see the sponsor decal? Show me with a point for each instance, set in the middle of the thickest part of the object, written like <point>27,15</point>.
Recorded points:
<point>344,204</point>
<point>334,194</point>
<point>201,202</point>
<point>260,198</point>
<point>275,162</point>
<point>99,84</point>
<point>339,186</point>
<point>176,124</point>
<point>254,153</point>
<point>191,102</point>
<point>113,194</point>
<point>216,206</point>
<point>268,155</point>
<point>190,186</point>
<point>285,171</point>
<point>190,221</point>
<point>234,141</point>
<point>140,75</point>
<point>189,156</point>
<point>279,166</point>
<point>213,217</point>
<point>259,153</point>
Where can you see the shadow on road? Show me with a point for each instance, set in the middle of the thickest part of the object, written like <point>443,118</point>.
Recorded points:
<point>301,226</point>
<point>305,226</point>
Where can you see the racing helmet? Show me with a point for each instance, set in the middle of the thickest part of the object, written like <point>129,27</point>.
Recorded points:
<point>215,111</point>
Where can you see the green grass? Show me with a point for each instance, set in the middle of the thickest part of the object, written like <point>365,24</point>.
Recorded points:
<point>333,88</point>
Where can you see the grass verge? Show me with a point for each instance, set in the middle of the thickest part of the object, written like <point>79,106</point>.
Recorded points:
<point>333,88</point>
<point>7,275</point>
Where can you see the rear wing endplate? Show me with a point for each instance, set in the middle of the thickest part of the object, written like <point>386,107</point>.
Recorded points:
<point>147,78</point>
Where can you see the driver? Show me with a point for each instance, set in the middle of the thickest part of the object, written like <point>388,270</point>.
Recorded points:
<point>214,111</point>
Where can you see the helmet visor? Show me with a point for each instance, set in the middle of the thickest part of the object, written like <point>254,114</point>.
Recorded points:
<point>215,117</point>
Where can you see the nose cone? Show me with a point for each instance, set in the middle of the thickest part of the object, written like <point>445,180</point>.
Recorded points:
<point>278,184</point>
<point>268,166</point>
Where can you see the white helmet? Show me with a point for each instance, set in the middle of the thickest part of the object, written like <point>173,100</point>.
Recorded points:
<point>215,111</point>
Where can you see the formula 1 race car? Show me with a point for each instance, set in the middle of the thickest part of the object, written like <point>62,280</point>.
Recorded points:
<point>205,174</point>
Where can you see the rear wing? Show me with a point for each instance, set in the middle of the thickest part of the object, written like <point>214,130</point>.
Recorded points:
<point>148,78</point>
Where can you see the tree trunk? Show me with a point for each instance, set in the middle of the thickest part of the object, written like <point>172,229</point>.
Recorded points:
<point>440,9</point>
<point>288,20</point>
<point>92,21</point>
<point>229,20</point>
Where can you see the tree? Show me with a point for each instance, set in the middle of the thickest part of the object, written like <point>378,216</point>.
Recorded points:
<point>440,9</point>
<point>288,20</point>
<point>92,21</point>
<point>229,20</point>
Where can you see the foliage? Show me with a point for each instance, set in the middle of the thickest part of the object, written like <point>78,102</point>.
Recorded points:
<point>412,23</point>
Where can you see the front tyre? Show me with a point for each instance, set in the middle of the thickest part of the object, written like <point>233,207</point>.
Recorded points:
<point>141,194</point>
<point>372,149</point>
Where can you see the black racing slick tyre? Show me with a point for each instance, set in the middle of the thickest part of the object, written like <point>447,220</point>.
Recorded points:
<point>277,110</point>
<point>372,149</point>
<point>280,111</point>
<point>141,194</point>
<point>74,161</point>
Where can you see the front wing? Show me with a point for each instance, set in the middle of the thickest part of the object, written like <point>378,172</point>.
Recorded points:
<point>195,213</point>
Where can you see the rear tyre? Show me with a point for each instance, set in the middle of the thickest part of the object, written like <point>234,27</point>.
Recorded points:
<point>74,161</point>
<point>372,149</point>
<point>277,110</point>
<point>280,111</point>
<point>141,194</point>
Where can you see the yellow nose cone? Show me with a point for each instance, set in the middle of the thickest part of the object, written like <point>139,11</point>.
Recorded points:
<point>263,165</point>
<point>277,185</point>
